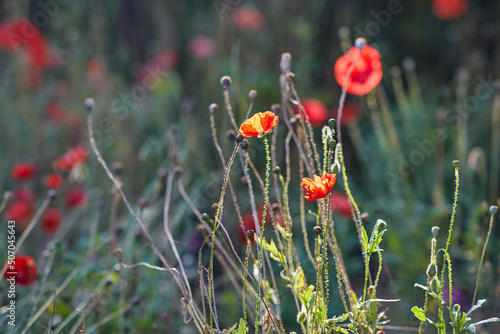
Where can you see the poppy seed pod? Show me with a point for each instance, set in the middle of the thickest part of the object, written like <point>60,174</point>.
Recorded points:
<point>215,207</point>
<point>213,107</point>
<point>252,95</point>
<point>360,43</point>
<point>250,234</point>
<point>89,104</point>
<point>332,143</point>
<point>317,230</point>
<point>230,135</point>
<point>286,61</point>
<point>225,81</point>
<point>277,170</point>
<point>244,144</point>
<point>239,138</point>
<point>51,194</point>
<point>435,231</point>
<point>493,210</point>
<point>275,108</point>
<point>205,217</point>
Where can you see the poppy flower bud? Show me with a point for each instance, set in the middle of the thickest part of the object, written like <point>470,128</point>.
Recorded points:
<point>225,81</point>
<point>456,163</point>
<point>117,168</point>
<point>360,43</point>
<point>493,210</point>
<point>456,307</point>
<point>332,143</point>
<point>252,95</point>
<point>434,285</point>
<point>301,317</point>
<point>215,207</point>
<point>277,170</point>
<point>244,144</point>
<point>332,123</point>
<point>276,108</point>
<point>230,135</point>
<point>317,230</point>
<point>205,217</point>
<point>432,270</point>
<point>335,168</point>
<point>435,231</point>
<point>250,234</point>
<point>89,104</point>
<point>381,224</point>
<point>239,138</point>
<point>213,108</point>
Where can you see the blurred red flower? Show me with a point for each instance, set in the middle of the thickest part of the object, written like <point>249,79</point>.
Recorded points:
<point>351,113</point>
<point>54,111</point>
<point>316,111</point>
<point>248,18</point>
<point>201,47</point>
<point>249,224</point>
<point>259,124</point>
<point>319,187</point>
<point>366,73</point>
<point>340,203</point>
<point>449,9</point>
<point>154,69</point>
<point>23,171</point>
<point>24,195</point>
<point>21,212</point>
<point>76,197</point>
<point>24,269</point>
<point>53,181</point>
<point>51,220</point>
<point>70,159</point>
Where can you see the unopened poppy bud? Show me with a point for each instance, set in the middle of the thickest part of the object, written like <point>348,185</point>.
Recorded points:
<point>252,95</point>
<point>433,285</point>
<point>250,234</point>
<point>225,81</point>
<point>381,224</point>
<point>51,194</point>
<point>335,168</point>
<point>117,168</point>
<point>277,170</point>
<point>456,308</point>
<point>239,138</point>
<point>301,317</point>
<point>275,108</point>
<point>432,270</point>
<point>360,43</point>
<point>213,108</point>
<point>493,210</point>
<point>332,143</point>
<point>317,230</point>
<point>205,217</point>
<point>143,203</point>
<point>456,163</point>
<point>215,207</point>
<point>89,104</point>
<point>177,171</point>
<point>435,231</point>
<point>230,135</point>
<point>332,123</point>
<point>244,144</point>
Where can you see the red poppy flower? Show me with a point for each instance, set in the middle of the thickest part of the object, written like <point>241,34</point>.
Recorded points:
<point>23,171</point>
<point>53,181</point>
<point>340,203</point>
<point>75,197</point>
<point>319,187</point>
<point>449,9</point>
<point>351,113</point>
<point>366,73</point>
<point>316,111</point>
<point>71,158</point>
<point>248,18</point>
<point>201,47</point>
<point>21,212</point>
<point>54,111</point>
<point>259,124</point>
<point>51,220</point>
<point>23,270</point>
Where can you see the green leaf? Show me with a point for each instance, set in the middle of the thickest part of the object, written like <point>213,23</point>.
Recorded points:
<point>480,303</point>
<point>419,313</point>
<point>486,321</point>
<point>242,328</point>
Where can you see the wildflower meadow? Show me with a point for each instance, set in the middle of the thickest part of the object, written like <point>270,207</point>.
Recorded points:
<point>236,166</point>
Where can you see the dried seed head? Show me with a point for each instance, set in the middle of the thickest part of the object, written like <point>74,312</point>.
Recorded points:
<point>250,234</point>
<point>317,230</point>
<point>225,81</point>
<point>89,104</point>
<point>213,108</point>
<point>252,95</point>
<point>493,210</point>
<point>230,135</point>
<point>244,144</point>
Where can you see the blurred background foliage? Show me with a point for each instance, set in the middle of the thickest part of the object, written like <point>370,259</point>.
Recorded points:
<point>153,68</point>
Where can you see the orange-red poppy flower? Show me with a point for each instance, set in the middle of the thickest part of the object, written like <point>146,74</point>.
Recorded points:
<point>315,110</point>
<point>51,220</point>
<point>340,203</point>
<point>71,158</point>
<point>23,171</point>
<point>53,181</point>
<point>259,124</point>
<point>23,270</point>
<point>366,73</point>
<point>449,9</point>
<point>21,212</point>
<point>318,188</point>
<point>76,197</point>
<point>248,18</point>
